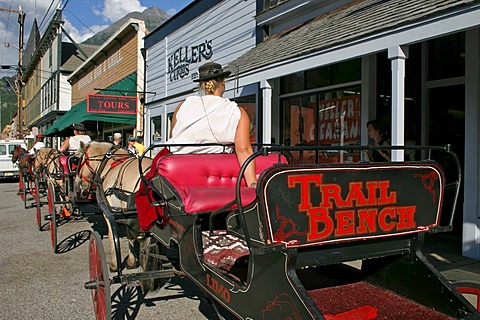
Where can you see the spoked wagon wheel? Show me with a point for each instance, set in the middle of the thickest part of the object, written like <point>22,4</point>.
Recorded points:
<point>99,279</point>
<point>38,204</point>
<point>470,290</point>
<point>52,213</point>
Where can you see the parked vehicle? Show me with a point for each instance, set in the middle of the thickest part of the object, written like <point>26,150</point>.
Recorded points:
<point>8,169</point>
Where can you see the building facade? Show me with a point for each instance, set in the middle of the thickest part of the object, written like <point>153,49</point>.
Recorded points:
<point>107,86</point>
<point>316,71</point>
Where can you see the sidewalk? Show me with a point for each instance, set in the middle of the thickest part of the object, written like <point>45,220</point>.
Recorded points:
<point>444,251</point>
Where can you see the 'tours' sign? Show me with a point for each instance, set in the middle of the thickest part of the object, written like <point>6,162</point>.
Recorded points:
<point>100,103</point>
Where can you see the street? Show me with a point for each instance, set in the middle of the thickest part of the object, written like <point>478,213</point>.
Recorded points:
<point>38,284</point>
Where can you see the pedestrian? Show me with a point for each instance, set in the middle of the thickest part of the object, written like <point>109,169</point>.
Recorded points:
<point>117,139</point>
<point>131,147</point>
<point>38,143</point>
<point>378,137</point>
<point>210,118</point>
<point>139,145</point>
<point>72,144</point>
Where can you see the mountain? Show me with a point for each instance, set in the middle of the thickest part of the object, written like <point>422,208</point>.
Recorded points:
<point>8,101</point>
<point>152,16</point>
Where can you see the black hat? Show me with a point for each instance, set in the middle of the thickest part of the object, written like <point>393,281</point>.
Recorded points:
<point>131,138</point>
<point>209,71</point>
<point>78,126</point>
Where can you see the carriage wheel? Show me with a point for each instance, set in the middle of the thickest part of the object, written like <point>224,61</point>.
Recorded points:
<point>21,187</point>
<point>38,209</point>
<point>52,211</point>
<point>99,280</point>
<point>470,290</point>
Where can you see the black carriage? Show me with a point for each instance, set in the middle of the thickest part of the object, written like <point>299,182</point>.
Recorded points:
<point>311,241</point>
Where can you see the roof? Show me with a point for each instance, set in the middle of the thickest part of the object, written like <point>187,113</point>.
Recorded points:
<point>358,19</point>
<point>72,57</point>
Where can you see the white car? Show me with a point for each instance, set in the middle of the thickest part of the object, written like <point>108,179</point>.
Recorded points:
<point>7,168</point>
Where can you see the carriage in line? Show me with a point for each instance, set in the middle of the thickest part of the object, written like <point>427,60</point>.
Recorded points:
<point>311,241</point>
<point>32,181</point>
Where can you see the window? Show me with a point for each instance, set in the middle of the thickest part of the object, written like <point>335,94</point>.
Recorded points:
<point>3,150</point>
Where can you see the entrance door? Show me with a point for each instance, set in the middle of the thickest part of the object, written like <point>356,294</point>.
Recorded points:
<point>447,126</point>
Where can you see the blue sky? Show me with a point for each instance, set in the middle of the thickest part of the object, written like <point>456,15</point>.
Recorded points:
<point>82,18</point>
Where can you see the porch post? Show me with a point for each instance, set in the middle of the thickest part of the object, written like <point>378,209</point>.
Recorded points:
<point>267,110</point>
<point>471,206</point>
<point>397,55</point>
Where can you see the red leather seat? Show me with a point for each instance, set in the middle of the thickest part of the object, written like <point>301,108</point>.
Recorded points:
<point>206,182</point>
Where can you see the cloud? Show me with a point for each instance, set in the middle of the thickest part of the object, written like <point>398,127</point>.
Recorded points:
<point>117,9</point>
<point>171,12</point>
<point>80,35</point>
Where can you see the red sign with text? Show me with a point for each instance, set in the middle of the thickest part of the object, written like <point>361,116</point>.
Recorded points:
<point>101,103</point>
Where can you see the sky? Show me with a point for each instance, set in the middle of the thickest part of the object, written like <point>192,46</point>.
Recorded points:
<point>83,18</point>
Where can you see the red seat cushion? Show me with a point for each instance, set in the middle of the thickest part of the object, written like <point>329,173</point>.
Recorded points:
<point>202,199</point>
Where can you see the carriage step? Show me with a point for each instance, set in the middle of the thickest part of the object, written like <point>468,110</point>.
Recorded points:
<point>32,205</point>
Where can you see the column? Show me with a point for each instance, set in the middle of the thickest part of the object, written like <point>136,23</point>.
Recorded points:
<point>398,55</point>
<point>267,111</point>
<point>471,208</point>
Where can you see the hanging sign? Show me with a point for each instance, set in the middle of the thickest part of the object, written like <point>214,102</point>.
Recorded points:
<point>101,103</point>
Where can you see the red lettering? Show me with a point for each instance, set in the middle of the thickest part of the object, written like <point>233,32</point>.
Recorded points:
<point>331,193</point>
<point>406,218</point>
<point>367,221</point>
<point>386,196</point>
<point>304,181</point>
<point>356,194</point>
<point>320,224</point>
<point>386,220</point>
<point>345,223</point>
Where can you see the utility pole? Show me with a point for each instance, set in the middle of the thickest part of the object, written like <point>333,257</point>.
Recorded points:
<point>19,77</point>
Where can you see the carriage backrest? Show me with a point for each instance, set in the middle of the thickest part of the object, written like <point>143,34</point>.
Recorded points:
<point>209,170</point>
<point>312,205</point>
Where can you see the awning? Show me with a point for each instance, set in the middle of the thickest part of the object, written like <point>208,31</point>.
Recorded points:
<point>79,114</point>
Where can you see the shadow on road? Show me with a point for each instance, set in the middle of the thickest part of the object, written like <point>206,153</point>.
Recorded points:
<point>73,241</point>
<point>127,301</point>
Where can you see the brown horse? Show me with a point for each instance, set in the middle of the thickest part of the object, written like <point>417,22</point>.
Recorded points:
<point>23,158</point>
<point>118,178</point>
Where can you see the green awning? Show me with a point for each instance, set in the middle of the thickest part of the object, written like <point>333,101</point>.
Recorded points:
<point>79,114</point>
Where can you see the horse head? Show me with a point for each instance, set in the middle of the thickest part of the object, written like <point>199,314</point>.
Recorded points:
<point>91,156</point>
<point>17,153</point>
<point>47,159</point>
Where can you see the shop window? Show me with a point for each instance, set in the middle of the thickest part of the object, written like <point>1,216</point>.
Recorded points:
<point>326,119</point>
<point>156,129</point>
<point>346,71</point>
<point>298,117</point>
<point>444,63</point>
<point>343,72</point>
<point>317,78</point>
<point>292,83</point>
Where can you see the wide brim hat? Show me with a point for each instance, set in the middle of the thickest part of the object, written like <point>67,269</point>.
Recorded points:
<point>211,70</point>
<point>78,126</point>
<point>117,136</point>
<point>131,138</point>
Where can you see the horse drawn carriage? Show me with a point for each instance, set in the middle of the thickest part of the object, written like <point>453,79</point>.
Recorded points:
<point>311,241</point>
<point>32,181</point>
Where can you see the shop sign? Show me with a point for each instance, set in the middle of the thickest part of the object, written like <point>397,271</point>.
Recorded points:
<point>100,103</point>
<point>179,61</point>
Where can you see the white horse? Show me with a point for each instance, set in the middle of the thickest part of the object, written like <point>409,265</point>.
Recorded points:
<point>117,175</point>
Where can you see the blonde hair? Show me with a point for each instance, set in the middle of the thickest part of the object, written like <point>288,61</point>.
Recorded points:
<point>209,86</point>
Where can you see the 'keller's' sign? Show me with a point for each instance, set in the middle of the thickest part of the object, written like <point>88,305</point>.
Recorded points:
<point>101,103</point>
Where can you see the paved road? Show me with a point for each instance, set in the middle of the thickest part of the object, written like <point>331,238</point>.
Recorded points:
<point>35,283</point>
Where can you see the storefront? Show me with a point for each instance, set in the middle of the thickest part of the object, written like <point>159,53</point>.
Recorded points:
<point>319,71</point>
<point>107,87</point>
